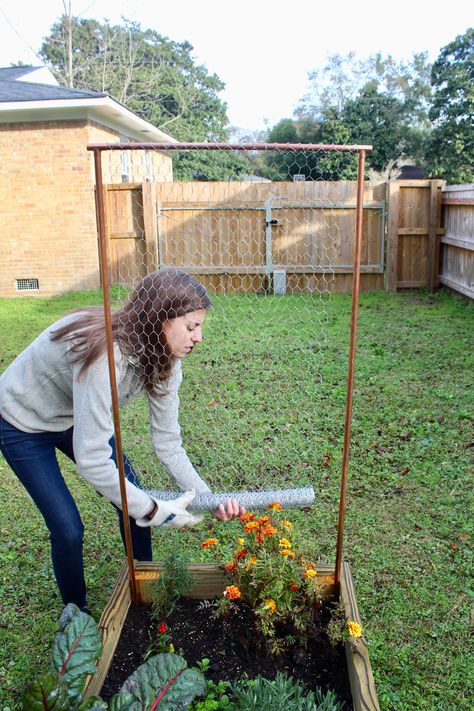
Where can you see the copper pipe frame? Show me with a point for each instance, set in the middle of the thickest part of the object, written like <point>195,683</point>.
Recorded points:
<point>104,277</point>
<point>361,150</point>
<point>292,147</point>
<point>351,368</point>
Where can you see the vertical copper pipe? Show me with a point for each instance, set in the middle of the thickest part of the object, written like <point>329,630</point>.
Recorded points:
<point>350,376</point>
<point>104,278</point>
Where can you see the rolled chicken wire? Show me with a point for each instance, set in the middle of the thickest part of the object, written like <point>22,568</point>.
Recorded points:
<point>209,501</point>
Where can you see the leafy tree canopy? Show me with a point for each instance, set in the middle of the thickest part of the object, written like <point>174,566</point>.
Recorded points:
<point>154,76</point>
<point>451,148</point>
<point>314,166</point>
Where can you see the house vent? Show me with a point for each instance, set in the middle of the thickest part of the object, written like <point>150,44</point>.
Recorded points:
<point>27,284</point>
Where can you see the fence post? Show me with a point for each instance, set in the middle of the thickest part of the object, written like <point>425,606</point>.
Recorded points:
<point>150,226</point>
<point>393,208</point>
<point>433,236</point>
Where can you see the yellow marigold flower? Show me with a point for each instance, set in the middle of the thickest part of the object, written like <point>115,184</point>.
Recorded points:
<point>310,573</point>
<point>252,526</point>
<point>247,517</point>
<point>354,629</point>
<point>285,543</point>
<point>287,524</point>
<point>271,605</point>
<point>275,506</point>
<point>209,542</point>
<point>287,553</point>
<point>232,592</point>
<point>240,541</point>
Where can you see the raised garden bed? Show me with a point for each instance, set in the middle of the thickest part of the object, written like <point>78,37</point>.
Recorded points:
<point>211,581</point>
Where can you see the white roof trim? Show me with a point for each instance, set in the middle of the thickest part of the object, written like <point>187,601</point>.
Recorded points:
<point>102,109</point>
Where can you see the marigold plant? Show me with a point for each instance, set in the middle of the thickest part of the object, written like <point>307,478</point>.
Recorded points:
<point>273,577</point>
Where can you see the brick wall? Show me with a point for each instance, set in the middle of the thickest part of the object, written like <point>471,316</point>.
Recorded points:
<point>48,228</point>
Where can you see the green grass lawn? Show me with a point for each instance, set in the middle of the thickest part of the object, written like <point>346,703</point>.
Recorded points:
<point>262,403</point>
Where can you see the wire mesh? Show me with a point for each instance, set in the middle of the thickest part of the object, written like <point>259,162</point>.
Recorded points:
<point>267,243</point>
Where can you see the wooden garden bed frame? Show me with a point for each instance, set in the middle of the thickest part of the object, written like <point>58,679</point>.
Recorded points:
<point>210,583</point>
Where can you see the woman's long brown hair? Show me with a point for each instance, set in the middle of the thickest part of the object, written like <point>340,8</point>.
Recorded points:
<point>138,326</point>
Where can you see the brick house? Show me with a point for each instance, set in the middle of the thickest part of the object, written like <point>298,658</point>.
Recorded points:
<point>48,231</point>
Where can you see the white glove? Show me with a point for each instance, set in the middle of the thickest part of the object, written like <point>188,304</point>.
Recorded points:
<point>172,513</point>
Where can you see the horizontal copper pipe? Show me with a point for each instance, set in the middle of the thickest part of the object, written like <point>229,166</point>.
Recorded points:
<point>225,147</point>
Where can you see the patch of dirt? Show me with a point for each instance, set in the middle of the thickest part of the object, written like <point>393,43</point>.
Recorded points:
<point>231,646</point>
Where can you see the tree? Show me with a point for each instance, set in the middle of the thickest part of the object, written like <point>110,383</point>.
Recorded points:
<point>375,118</point>
<point>154,76</point>
<point>372,96</point>
<point>451,148</point>
<point>344,77</point>
<point>313,165</point>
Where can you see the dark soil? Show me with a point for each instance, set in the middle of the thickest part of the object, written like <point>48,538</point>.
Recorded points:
<point>231,647</point>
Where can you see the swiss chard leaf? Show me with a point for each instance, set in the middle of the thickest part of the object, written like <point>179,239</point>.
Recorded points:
<point>47,692</point>
<point>163,683</point>
<point>75,650</point>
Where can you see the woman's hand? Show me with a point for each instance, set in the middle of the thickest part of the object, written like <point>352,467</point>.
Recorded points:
<point>229,510</point>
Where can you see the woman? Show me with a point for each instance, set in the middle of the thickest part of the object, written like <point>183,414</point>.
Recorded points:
<point>56,395</point>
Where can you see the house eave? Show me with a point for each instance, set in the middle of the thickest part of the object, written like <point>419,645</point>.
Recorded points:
<point>102,110</point>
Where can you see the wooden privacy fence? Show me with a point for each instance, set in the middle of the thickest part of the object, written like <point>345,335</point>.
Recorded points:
<point>413,233</point>
<point>240,235</point>
<point>457,243</point>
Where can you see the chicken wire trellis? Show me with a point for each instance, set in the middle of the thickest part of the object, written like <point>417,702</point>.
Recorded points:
<point>269,253</point>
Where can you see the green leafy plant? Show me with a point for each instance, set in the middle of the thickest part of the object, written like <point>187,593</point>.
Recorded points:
<point>216,699</point>
<point>280,694</point>
<point>76,649</point>
<point>174,581</point>
<point>164,679</point>
<point>161,644</point>
<point>274,578</point>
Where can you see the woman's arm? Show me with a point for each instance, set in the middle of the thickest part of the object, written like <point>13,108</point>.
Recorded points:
<point>93,428</point>
<point>166,436</point>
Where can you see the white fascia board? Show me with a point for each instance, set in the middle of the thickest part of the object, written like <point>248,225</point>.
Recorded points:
<point>103,110</point>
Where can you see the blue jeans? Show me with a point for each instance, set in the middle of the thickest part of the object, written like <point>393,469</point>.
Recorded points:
<point>32,457</point>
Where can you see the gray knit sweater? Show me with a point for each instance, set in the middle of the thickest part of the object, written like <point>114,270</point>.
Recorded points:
<point>41,392</point>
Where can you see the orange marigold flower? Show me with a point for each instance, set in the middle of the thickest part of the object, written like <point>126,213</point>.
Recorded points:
<point>269,530</point>
<point>271,605</point>
<point>354,629</point>
<point>252,526</point>
<point>285,543</point>
<point>287,553</point>
<point>310,573</point>
<point>264,519</point>
<point>275,506</point>
<point>231,566</point>
<point>260,537</point>
<point>240,554</point>
<point>232,592</point>
<point>247,517</point>
<point>209,542</point>
<point>294,585</point>
<point>252,560</point>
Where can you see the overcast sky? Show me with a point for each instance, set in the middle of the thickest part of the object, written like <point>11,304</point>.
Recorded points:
<point>262,49</point>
